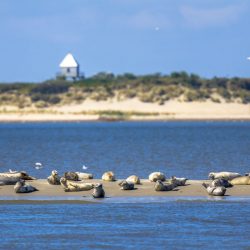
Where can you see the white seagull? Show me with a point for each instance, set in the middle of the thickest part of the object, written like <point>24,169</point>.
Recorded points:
<point>84,167</point>
<point>38,165</point>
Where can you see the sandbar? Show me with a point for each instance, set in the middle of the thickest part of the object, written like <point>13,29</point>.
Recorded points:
<point>55,194</point>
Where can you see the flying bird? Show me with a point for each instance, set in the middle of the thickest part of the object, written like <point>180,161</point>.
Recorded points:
<point>248,58</point>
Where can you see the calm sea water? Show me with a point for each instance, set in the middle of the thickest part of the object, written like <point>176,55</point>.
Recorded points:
<point>190,149</point>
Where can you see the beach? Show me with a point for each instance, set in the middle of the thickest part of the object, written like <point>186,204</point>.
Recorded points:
<point>193,188</point>
<point>130,109</point>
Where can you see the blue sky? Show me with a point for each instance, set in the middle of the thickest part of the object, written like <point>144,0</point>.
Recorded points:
<point>206,37</point>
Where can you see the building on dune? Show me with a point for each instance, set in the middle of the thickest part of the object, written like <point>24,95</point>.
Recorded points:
<point>70,68</point>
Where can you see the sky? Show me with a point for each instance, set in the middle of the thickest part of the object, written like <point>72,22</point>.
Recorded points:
<point>206,37</point>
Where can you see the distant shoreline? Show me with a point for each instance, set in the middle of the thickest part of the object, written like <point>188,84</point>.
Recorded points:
<point>128,110</point>
<point>130,121</point>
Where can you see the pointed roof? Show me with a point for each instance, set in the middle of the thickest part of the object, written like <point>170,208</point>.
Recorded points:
<point>68,61</point>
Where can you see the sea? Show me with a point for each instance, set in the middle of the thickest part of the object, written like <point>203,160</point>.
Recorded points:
<point>184,149</point>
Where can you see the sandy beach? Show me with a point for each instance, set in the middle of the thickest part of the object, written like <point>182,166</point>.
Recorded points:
<point>55,193</point>
<point>133,109</point>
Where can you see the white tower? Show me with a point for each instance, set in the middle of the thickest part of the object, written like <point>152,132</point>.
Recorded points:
<point>69,67</point>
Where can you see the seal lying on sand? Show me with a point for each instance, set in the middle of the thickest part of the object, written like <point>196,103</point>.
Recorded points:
<point>125,185</point>
<point>74,186</point>
<point>156,176</point>
<point>221,183</point>
<point>54,179</point>
<point>108,176</point>
<point>9,180</point>
<point>133,179</point>
<point>22,175</point>
<point>215,191</point>
<point>243,180</point>
<point>21,187</point>
<point>225,175</point>
<point>160,186</point>
<point>12,178</point>
<point>71,176</point>
<point>98,191</point>
<point>84,176</point>
<point>179,181</point>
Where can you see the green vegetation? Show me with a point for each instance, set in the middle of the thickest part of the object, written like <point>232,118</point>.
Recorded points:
<point>154,88</point>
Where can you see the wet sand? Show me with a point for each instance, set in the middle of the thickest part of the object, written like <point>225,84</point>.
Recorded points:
<point>55,194</point>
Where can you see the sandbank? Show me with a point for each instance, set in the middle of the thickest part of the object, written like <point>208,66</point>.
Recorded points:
<point>55,194</point>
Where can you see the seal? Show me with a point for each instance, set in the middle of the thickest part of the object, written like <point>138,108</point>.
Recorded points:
<point>21,187</point>
<point>71,176</point>
<point>98,191</point>
<point>221,182</point>
<point>84,176</point>
<point>125,185</point>
<point>243,180</point>
<point>75,186</point>
<point>214,191</point>
<point>108,176</point>
<point>156,176</point>
<point>160,186</point>
<point>179,181</point>
<point>9,180</point>
<point>226,175</point>
<point>134,179</point>
<point>21,175</point>
<point>54,179</point>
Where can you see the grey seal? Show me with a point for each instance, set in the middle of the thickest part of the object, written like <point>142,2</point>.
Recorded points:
<point>156,176</point>
<point>243,180</point>
<point>21,187</point>
<point>225,175</point>
<point>98,191</point>
<point>134,179</point>
<point>214,191</point>
<point>75,186</point>
<point>84,176</point>
<point>160,186</point>
<point>179,181</point>
<point>54,179</point>
<point>71,176</point>
<point>108,176</point>
<point>125,185</point>
<point>221,182</point>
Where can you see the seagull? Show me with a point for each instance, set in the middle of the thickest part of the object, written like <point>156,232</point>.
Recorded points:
<point>84,167</point>
<point>38,165</point>
<point>12,171</point>
<point>248,58</point>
